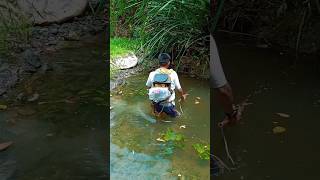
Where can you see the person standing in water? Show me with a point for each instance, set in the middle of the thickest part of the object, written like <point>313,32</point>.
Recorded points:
<point>222,88</point>
<point>162,84</point>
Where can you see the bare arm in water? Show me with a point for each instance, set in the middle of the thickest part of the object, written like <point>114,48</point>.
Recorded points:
<point>225,98</point>
<point>223,90</point>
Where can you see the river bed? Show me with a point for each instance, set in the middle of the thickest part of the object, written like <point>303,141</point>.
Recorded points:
<point>134,150</point>
<point>62,134</point>
<point>273,86</point>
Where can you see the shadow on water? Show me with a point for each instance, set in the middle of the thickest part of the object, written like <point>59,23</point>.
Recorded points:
<point>63,134</point>
<point>135,152</point>
<point>274,88</point>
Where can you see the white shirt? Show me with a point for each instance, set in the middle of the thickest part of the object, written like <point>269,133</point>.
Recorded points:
<point>218,79</point>
<point>175,83</point>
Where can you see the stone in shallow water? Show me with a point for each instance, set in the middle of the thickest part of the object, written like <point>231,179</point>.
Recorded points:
<point>126,62</point>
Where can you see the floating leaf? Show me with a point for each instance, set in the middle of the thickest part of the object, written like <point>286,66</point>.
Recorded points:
<point>3,107</point>
<point>283,115</point>
<point>160,140</point>
<point>4,146</point>
<point>182,126</point>
<point>278,130</point>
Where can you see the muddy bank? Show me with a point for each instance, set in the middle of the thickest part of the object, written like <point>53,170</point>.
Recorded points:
<point>187,66</point>
<point>25,59</point>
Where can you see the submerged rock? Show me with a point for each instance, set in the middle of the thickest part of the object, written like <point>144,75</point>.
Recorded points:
<point>31,61</point>
<point>8,78</point>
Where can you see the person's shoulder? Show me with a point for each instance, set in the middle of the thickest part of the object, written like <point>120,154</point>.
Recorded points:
<point>173,72</point>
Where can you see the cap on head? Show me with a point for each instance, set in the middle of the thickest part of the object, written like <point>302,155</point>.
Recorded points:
<point>164,58</point>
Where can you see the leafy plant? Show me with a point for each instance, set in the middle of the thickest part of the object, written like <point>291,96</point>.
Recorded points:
<point>203,150</point>
<point>177,26</point>
<point>173,26</point>
<point>173,140</point>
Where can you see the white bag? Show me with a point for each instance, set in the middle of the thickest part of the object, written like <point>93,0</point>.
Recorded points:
<point>158,94</point>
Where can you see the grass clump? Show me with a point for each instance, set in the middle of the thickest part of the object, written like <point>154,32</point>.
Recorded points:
<point>15,28</point>
<point>173,140</point>
<point>203,150</point>
<point>122,46</point>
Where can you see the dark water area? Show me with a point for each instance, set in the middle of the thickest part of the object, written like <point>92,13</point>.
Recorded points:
<point>135,152</point>
<point>62,135</point>
<point>274,85</point>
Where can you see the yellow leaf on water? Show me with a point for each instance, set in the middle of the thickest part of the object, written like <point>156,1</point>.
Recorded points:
<point>3,107</point>
<point>160,140</point>
<point>283,115</point>
<point>278,130</point>
<point>182,126</point>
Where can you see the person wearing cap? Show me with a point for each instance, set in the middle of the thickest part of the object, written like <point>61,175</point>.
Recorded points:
<point>168,107</point>
<point>219,83</point>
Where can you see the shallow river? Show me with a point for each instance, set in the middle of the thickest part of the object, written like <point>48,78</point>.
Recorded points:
<point>273,87</point>
<point>62,135</point>
<point>135,152</point>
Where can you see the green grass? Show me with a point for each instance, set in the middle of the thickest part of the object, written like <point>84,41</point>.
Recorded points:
<point>121,47</point>
<point>15,28</point>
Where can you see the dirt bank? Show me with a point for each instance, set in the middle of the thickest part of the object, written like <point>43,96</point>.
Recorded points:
<point>24,60</point>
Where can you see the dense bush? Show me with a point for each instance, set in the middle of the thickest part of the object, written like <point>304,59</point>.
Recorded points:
<point>176,26</point>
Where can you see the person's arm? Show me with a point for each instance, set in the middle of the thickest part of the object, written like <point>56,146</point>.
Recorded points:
<point>220,84</point>
<point>149,81</point>
<point>182,94</point>
<point>225,98</point>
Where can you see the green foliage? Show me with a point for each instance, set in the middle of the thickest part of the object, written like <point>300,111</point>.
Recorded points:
<point>122,46</point>
<point>175,138</point>
<point>15,29</point>
<point>203,150</point>
<point>172,26</point>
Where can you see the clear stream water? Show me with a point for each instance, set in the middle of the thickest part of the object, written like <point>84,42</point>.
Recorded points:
<point>134,151</point>
<point>274,88</point>
<point>62,135</point>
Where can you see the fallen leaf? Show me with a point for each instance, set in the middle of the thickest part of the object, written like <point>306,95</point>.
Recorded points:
<point>283,115</point>
<point>3,107</point>
<point>160,140</point>
<point>4,146</point>
<point>278,130</point>
<point>182,126</point>
<point>247,104</point>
